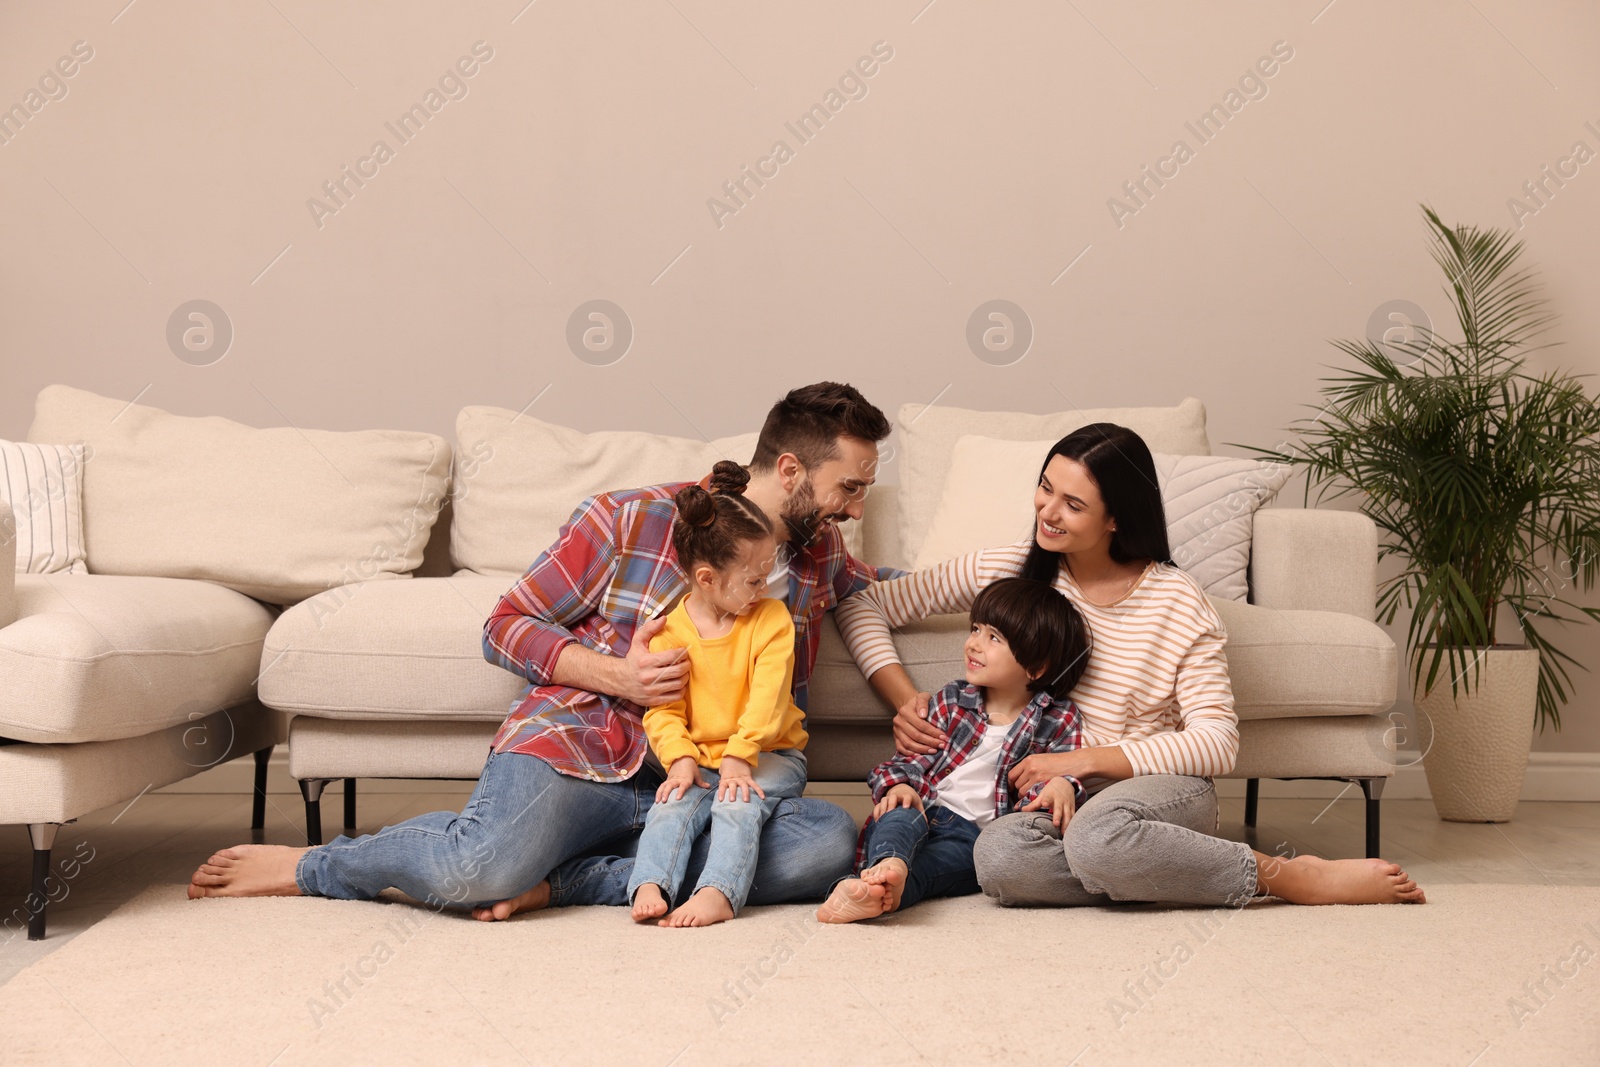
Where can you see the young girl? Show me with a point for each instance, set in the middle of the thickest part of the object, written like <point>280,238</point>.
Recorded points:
<point>1026,648</point>
<point>732,745</point>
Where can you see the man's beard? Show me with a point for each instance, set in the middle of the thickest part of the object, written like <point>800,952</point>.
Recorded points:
<point>802,516</point>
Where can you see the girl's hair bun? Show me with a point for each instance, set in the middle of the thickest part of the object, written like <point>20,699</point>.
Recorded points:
<point>695,506</point>
<point>729,477</point>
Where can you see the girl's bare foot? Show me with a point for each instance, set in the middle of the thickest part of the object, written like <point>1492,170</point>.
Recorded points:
<point>891,874</point>
<point>852,899</point>
<point>534,899</point>
<point>248,871</point>
<point>648,903</point>
<point>706,907</point>
<point>1314,880</point>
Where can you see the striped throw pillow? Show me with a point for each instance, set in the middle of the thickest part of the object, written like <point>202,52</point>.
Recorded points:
<point>43,484</point>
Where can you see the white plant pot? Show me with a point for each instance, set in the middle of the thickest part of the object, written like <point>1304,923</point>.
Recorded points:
<point>1477,741</point>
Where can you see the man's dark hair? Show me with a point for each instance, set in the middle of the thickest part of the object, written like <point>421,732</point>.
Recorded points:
<point>809,421</point>
<point>1045,632</point>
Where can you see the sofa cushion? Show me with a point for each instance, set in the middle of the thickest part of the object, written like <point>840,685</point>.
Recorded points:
<point>1210,504</point>
<point>928,435</point>
<point>390,650</point>
<point>95,657</point>
<point>44,486</point>
<point>1282,664</point>
<point>517,479</point>
<point>276,514</point>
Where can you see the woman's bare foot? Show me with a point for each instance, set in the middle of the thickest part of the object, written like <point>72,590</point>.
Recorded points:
<point>891,874</point>
<point>648,903</point>
<point>534,899</point>
<point>248,871</point>
<point>852,899</point>
<point>1314,880</point>
<point>706,907</point>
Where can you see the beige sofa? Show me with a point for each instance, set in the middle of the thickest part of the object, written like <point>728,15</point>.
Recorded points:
<point>239,573</point>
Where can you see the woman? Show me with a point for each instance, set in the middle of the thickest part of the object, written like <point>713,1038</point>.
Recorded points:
<point>1156,700</point>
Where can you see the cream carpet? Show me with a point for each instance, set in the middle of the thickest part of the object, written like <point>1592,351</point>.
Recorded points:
<point>1482,974</point>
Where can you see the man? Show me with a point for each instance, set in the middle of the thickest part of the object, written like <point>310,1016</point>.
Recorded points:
<point>569,777</point>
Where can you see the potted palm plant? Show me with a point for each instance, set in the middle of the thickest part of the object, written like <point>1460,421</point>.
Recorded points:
<point>1484,480</point>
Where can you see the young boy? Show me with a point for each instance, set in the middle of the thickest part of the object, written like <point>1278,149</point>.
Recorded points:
<point>1026,649</point>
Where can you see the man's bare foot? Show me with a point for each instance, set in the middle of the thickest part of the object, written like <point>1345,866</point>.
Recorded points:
<point>248,871</point>
<point>534,899</point>
<point>853,899</point>
<point>648,903</point>
<point>1314,880</point>
<point>891,874</point>
<point>706,907</point>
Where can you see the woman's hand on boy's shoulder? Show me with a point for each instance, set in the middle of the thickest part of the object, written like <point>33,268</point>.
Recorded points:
<point>901,796</point>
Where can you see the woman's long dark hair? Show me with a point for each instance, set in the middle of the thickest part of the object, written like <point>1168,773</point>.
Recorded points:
<point>1121,465</point>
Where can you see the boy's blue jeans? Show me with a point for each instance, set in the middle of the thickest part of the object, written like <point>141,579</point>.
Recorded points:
<point>527,821</point>
<point>936,848</point>
<point>673,825</point>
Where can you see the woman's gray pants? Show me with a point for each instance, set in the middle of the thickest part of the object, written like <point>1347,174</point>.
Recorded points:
<point>1148,838</point>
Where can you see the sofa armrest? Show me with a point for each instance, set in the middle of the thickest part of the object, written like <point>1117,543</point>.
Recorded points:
<point>1314,560</point>
<point>8,565</point>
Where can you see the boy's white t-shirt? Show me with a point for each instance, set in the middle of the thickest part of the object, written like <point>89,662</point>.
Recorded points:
<point>968,790</point>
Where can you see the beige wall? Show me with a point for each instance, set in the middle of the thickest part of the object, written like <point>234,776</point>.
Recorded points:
<point>579,163</point>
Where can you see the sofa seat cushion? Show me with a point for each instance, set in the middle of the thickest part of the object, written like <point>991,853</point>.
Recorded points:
<point>1283,664</point>
<point>98,657</point>
<point>390,650</point>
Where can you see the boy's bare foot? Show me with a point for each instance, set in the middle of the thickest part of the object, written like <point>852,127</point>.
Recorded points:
<point>852,899</point>
<point>648,903</point>
<point>1314,880</point>
<point>534,899</point>
<point>248,871</point>
<point>891,874</point>
<point>706,907</point>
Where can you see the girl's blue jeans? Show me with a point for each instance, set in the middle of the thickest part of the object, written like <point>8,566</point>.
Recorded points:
<point>673,825</point>
<point>936,848</point>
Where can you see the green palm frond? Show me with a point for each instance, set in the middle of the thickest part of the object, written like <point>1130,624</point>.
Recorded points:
<point>1482,478</point>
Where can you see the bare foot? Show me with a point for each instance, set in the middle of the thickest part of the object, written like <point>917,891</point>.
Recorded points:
<point>852,899</point>
<point>248,871</point>
<point>534,899</point>
<point>648,903</point>
<point>891,874</point>
<point>1314,880</point>
<point>706,907</point>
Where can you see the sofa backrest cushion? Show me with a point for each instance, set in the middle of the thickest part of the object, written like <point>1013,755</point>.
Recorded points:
<point>276,514</point>
<point>1210,504</point>
<point>518,479</point>
<point>928,434</point>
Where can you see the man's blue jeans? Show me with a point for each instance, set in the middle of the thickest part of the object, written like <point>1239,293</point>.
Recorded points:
<point>526,822</point>
<point>936,848</point>
<point>673,825</point>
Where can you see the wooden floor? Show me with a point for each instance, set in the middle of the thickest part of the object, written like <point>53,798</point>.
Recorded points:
<point>161,836</point>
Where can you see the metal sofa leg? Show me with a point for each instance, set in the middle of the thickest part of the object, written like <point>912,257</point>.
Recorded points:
<point>43,835</point>
<point>349,803</point>
<point>311,790</point>
<point>258,809</point>
<point>1372,788</point>
<point>1252,797</point>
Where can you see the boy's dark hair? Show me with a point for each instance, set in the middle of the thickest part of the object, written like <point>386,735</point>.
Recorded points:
<point>711,526</point>
<point>809,421</point>
<point>1045,632</point>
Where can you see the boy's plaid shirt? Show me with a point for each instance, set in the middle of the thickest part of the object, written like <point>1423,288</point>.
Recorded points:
<point>613,567</point>
<point>1045,725</point>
